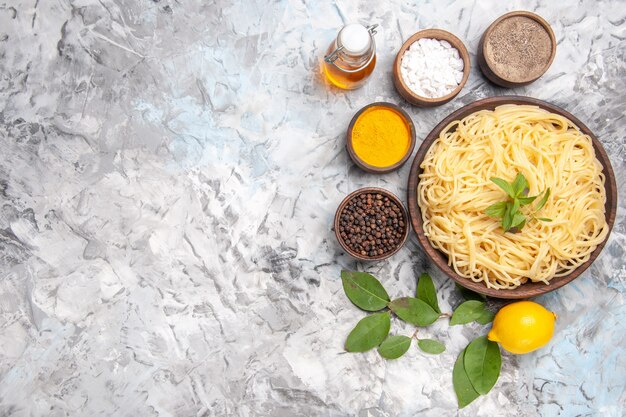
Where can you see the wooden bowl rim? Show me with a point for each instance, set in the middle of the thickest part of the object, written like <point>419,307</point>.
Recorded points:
<point>519,13</point>
<point>371,168</point>
<point>370,190</point>
<point>529,289</point>
<point>438,34</point>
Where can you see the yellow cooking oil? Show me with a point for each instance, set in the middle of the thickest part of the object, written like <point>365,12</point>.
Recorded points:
<point>350,59</point>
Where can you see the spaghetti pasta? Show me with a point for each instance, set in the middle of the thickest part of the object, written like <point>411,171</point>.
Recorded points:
<point>551,152</point>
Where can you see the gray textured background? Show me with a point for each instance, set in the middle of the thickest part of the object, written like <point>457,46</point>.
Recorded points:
<point>169,171</point>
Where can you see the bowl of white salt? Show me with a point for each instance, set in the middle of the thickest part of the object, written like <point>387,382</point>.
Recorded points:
<point>431,68</point>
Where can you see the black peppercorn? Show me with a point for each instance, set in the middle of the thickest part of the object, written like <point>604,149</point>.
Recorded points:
<point>372,224</point>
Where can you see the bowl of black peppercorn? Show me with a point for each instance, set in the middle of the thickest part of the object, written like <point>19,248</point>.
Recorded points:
<point>371,224</point>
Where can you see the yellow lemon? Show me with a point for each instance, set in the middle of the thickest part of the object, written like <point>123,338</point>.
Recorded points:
<point>522,327</point>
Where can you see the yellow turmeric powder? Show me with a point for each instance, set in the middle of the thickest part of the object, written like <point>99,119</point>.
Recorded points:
<point>380,136</point>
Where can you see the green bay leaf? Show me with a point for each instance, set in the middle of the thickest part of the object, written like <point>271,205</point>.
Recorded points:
<point>394,346</point>
<point>369,332</point>
<point>485,317</point>
<point>467,312</point>
<point>465,392</point>
<point>426,291</point>
<point>414,311</point>
<point>432,346</point>
<point>482,362</point>
<point>364,290</point>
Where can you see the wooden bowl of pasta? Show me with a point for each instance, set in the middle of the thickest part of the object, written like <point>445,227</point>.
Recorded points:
<point>449,189</point>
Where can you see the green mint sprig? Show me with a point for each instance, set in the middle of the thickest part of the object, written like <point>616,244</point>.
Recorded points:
<point>508,211</point>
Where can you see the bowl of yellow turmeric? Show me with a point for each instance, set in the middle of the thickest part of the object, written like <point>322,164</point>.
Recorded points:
<point>381,138</point>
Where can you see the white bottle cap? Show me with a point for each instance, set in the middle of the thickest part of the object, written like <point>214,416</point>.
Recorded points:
<point>355,39</point>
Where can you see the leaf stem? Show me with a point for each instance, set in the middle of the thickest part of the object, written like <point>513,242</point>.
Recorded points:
<point>414,336</point>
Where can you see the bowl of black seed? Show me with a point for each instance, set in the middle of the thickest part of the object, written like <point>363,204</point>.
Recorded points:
<point>371,224</point>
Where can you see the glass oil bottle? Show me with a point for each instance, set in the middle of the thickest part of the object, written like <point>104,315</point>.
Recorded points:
<point>351,57</point>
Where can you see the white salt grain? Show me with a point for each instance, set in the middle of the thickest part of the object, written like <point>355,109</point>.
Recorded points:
<point>431,68</point>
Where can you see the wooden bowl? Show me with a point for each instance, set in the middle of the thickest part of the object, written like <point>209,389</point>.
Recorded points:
<point>371,168</point>
<point>486,63</point>
<point>406,92</point>
<point>529,289</point>
<point>366,190</point>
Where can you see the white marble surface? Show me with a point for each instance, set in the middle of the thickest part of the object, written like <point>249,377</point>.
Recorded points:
<point>168,175</point>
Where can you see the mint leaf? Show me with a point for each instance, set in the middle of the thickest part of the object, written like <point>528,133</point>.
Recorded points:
<point>508,217</point>
<point>519,184</point>
<point>426,291</point>
<point>394,346</point>
<point>521,225</point>
<point>482,362</point>
<point>508,211</point>
<point>515,207</point>
<point>414,311</point>
<point>467,312</point>
<point>364,290</point>
<point>465,392</point>
<point>504,185</point>
<point>543,200</point>
<point>496,210</point>
<point>431,346</point>
<point>524,201</point>
<point>518,219</point>
<point>369,332</point>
